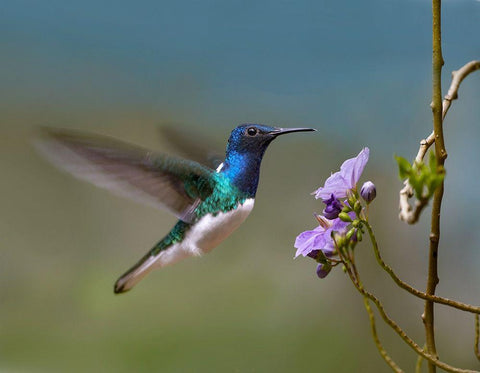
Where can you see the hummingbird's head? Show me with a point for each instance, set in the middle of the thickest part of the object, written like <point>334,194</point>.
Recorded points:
<point>245,150</point>
<point>255,138</point>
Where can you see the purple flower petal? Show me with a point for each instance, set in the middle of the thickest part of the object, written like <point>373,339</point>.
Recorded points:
<point>308,241</point>
<point>335,185</point>
<point>333,208</point>
<point>313,254</point>
<point>329,248</point>
<point>319,238</point>
<point>339,225</point>
<point>340,182</point>
<point>352,169</point>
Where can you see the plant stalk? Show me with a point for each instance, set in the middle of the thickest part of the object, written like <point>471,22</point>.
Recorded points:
<point>441,155</point>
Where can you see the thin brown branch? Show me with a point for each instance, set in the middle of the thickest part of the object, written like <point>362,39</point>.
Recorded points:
<point>408,213</point>
<point>457,78</point>
<point>428,315</point>
<point>477,337</point>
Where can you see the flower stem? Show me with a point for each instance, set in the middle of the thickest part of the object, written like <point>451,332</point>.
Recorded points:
<point>410,342</point>
<point>350,268</point>
<point>418,366</point>
<point>380,348</point>
<point>407,339</point>
<point>409,288</point>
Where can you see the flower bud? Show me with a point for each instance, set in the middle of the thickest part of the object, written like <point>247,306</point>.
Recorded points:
<point>350,233</point>
<point>357,207</point>
<point>345,217</point>
<point>351,199</point>
<point>323,270</point>
<point>368,191</point>
<point>339,239</point>
<point>346,208</point>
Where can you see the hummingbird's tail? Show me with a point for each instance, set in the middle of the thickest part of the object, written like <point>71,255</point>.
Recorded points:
<point>155,258</point>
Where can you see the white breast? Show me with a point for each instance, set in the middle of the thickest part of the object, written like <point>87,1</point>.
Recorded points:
<point>211,230</point>
<point>207,233</point>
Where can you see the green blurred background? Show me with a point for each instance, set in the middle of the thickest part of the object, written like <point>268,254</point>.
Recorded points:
<point>359,72</point>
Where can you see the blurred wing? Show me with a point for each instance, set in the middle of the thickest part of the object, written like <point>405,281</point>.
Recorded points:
<point>155,179</point>
<point>192,146</point>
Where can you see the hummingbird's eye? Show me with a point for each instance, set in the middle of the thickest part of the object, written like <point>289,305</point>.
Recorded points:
<point>252,131</point>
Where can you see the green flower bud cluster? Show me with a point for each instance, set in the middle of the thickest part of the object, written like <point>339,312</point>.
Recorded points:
<point>354,213</point>
<point>423,179</point>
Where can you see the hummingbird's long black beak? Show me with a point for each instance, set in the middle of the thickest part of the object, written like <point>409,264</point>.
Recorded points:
<point>282,131</point>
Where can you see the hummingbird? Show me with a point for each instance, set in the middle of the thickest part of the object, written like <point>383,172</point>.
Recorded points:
<point>209,203</point>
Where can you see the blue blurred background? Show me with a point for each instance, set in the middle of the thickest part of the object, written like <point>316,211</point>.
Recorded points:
<point>359,72</point>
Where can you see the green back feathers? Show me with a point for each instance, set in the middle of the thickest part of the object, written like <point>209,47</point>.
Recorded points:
<point>224,197</point>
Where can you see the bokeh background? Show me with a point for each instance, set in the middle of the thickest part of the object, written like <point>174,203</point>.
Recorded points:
<point>358,71</point>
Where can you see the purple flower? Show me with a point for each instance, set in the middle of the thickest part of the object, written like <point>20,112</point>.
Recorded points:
<point>318,243</point>
<point>340,182</point>
<point>333,208</point>
<point>368,191</point>
<point>319,238</point>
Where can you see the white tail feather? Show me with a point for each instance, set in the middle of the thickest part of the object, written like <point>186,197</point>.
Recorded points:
<point>162,259</point>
